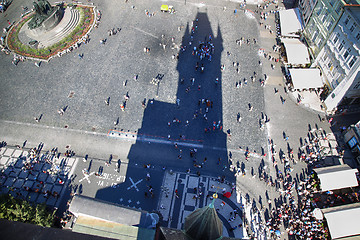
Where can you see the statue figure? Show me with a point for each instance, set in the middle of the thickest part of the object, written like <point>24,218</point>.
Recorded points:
<point>43,10</point>
<point>36,8</point>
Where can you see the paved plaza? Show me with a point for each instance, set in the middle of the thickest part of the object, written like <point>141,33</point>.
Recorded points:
<point>109,70</point>
<point>181,128</point>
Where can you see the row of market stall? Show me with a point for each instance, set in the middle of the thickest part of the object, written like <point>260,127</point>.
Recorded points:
<point>295,54</point>
<point>341,207</point>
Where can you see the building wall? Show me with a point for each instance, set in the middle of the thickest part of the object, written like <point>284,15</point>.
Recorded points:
<point>352,138</point>
<point>339,59</point>
<point>306,8</point>
<point>354,90</point>
<point>321,23</point>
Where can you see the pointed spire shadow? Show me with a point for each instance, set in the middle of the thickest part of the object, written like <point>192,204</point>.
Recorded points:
<point>204,96</point>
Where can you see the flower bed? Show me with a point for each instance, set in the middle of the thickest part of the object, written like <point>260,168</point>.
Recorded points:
<point>85,23</point>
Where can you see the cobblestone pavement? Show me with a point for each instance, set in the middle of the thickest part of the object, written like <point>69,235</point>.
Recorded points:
<point>139,136</point>
<point>83,85</point>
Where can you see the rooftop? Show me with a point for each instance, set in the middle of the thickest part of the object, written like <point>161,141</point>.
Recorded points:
<point>23,231</point>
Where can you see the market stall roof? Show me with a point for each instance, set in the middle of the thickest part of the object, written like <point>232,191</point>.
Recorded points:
<point>108,229</point>
<point>82,205</point>
<point>97,217</point>
<point>305,78</point>
<point>290,22</point>
<point>336,177</point>
<point>296,51</point>
<point>343,221</point>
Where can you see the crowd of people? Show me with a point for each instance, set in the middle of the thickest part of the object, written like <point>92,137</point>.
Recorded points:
<point>30,165</point>
<point>297,220</point>
<point>293,212</point>
<point>330,198</point>
<point>204,50</point>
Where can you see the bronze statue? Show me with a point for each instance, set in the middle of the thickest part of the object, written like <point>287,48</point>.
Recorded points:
<point>43,10</point>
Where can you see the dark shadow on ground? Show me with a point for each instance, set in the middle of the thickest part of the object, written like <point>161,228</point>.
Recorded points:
<point>200,103</point>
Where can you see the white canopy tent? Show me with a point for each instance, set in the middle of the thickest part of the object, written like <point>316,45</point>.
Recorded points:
<point>336,177</point>
<point>306,78</point>
<point>343,221</point>
<point>290,22</point>
<point>296,52</point>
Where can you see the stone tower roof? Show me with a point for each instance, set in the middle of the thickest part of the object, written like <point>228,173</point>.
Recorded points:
<point>204,224</point>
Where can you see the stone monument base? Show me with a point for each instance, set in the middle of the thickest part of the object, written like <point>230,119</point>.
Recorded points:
<point>48,24</point>
<point>52,30</point>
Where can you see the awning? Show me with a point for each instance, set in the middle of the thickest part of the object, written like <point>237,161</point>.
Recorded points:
<point>296,51</point>
<point>343,221</point>
<point>108,229</point>
<point>86,206</point>
<point>336,177</point>
<point>306,78</point>
<point>290,22</point>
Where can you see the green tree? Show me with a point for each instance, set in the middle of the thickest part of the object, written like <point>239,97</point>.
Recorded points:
<point>22,211</point>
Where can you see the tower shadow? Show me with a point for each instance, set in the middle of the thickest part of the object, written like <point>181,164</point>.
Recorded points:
<point>191,123</point>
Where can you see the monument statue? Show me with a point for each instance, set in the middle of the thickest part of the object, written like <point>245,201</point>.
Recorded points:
<point>43,10</point>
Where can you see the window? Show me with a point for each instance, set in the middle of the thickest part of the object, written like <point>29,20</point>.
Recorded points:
<point>324,16</point>
<point>352,28</point>
<point>329,64</point>
<point>334,84</point>
<point>312,27</point>
<point>352,142</point>
<point>341,45</point>
<point>357,85</point>
<point>346,54</point>
<point>330,24</point>
<point>358,36</point>
<point>319,9</point>
<point>331,2</point>
<point>352,61</point>
<point>325,57</point>
<point>346,20</point>
<point>316,33</point>
<point>337,10</point>
<point>336,38</point>
<point>320,41</point>
<point>334,70</point>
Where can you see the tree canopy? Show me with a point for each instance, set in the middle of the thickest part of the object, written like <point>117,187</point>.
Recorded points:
<point>22,211</point>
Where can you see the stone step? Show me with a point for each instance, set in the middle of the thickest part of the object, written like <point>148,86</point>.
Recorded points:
<point>64,21</point>
<point>64,30</point>
<point>66,26</point>
<point>67,29</point>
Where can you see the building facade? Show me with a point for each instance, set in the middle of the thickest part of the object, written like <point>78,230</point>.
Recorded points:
<point>332,34</point>
<point>339,60</point>
<point>320,17</point>
<point>306,8</point>
<point>352,139</point>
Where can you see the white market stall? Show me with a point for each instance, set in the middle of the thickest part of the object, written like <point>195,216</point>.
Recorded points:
<point>290,22</point>
<point>305,78</point>
<point>296,51</point>
<point>336,177</point>
<point>343,221</point>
